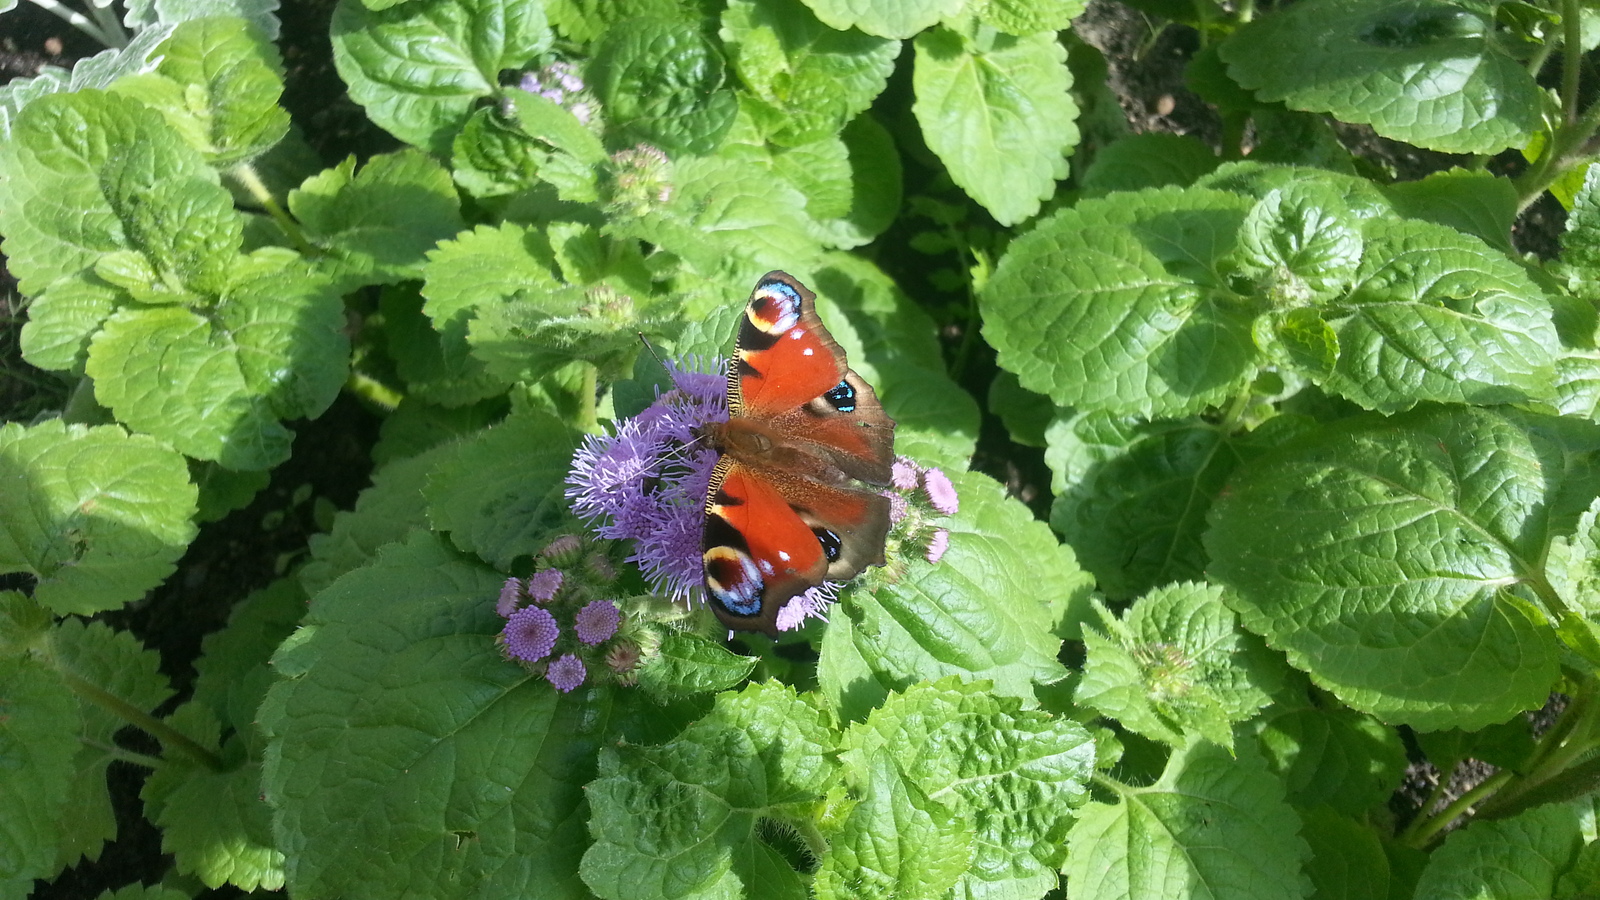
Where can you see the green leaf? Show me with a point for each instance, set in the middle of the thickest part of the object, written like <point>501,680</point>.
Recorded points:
<point>1300,244</point>
<point>420,67</point>
<point>377,225</point>
<point>691,664</point>
<point>1360,197</point>
<point>502,494</point>
<point>1013,776</point>
<point>384,513</point>
<point>985,610</point>
<point>215,823</point>
<point>1574,564</point>
<point>115,664</point>
<point>1477,203</point>
<point>63,318</point>
<point>1027,416</point>
<point>218,85</point>
<point>1436,315</point>
<point>1132,498</point>
<point>96,174</point>
<point>806,79</point>
<point>661,82</point>
<point>1177,666</point>
<point>895,842</point>
<point>390,730</point>
<point>1117,305</point>
<point>146,15</point>
<point>1580,244</point>
<point>1331,754</point>
<point>1154,159</point>
<point>1514,859</point>
<point>1380,554</point>
<point>998,116</point>
<point>1023,17</point>
<point>97,516</point>
<point>730,213</point>
<point>1212,826</point>
<point>433,359</point>
<point>681,819</point>
<point>898,19</point>
<point>38,740</point>
<point>486,265</point>
<point>223,490</point>
<point>1428,72</point>
<point>215,387</point>
<point>1347,859</point>
<point>97,71</point>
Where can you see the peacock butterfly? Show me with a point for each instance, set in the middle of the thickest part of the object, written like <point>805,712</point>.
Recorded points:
<point>784,512</point>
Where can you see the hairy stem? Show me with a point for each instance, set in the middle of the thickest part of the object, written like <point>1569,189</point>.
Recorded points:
<point>169,737</point>
<point>246,175</point>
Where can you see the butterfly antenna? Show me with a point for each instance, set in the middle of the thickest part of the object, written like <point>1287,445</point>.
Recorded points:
<point>652,348</point>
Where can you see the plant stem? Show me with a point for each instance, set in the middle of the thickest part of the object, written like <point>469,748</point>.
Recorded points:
<point>169,737</point>
<point>1562,150</point>
<point>83,23</point>
<point>1421,837</point>
<point>246,175</point>
<point>1422,811</point>
<point>373,391</point>
<point>589,412</point>
<point>1571,59</point>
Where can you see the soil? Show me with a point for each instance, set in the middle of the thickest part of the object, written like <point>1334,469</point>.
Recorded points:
<point>251,547</point>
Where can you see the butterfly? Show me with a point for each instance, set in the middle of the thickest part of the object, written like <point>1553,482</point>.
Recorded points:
<point>787,509</point>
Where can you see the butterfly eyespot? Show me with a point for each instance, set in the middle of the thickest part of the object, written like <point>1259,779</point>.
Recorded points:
<point>842,397</point>
<point>734,580</point>
<point>832,546</point>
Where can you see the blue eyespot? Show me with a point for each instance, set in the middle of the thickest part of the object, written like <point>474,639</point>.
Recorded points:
<point>842,397</point>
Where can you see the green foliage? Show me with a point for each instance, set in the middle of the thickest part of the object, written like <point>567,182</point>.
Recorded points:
<point>1321,451</point>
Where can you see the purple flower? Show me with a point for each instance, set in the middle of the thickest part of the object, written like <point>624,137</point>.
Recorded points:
<point>566,673</point>
<point>903,474</point>
<point>510,593</point>
<point>647,482</point>
<point>597,621</point>
<point>542,586</point>
<point>530,634</point>
<point>898,507</point>
<point>940,492</point>
<point>809,605</point>
<point>939,543</point>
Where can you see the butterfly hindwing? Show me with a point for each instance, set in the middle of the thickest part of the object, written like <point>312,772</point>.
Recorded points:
<point>783,514</point>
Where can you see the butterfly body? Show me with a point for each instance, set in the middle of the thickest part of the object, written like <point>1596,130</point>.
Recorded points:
<point>789,506</point>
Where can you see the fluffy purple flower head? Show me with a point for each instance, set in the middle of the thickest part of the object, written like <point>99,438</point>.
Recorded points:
<point>810,605</point>
<point>903,474</point>
<point>940,492</point>
<point>937,545</point>
<point>647,482</point>
<point>510,594</point>
<point>530,634</point>
<point>542,585</point>
<point>597,622</point>
<point>566,673</point>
